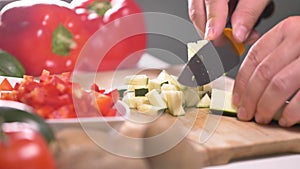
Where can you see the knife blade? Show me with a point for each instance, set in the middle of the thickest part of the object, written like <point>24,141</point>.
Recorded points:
<point>208,63</point>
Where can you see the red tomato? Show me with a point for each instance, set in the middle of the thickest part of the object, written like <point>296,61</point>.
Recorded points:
<point>21,147</point>
<point>42,36</point>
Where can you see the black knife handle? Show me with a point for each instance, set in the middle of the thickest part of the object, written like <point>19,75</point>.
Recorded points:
<point>268,11</point>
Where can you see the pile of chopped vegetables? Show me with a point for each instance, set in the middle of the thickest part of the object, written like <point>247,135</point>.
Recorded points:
<point>56,96</point>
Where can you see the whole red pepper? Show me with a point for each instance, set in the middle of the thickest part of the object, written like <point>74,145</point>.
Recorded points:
<point>109,14</point>
<point>22,148</point>
<point>42,35</point>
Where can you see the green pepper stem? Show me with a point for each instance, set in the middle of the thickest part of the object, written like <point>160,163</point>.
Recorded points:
<point>99,7</point>
<point>62,41</point>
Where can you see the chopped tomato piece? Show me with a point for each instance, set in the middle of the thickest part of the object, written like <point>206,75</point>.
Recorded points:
<point>96,88</point>
<point>114,94</point>
<point>5,85</point>
<point>55,96</point>
<point>104,103</point>
<point>112,112</point>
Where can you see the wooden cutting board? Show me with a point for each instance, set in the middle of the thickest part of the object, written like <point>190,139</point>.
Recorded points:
<point>233,139</point>
<point>210,139</point>
<point>206,144</point>
<point>218,139</point>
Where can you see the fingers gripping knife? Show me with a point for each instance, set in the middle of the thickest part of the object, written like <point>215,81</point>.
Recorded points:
<point>207,62</point>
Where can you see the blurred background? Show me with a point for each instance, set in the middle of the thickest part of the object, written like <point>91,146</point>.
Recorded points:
<point>179,8</point>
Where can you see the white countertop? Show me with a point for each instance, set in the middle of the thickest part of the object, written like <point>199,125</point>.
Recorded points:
<point>276,162</point>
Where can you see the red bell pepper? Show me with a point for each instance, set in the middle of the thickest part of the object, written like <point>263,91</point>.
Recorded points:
<point>42,36</point>
<point>21,147</point>
<point>5,85</point>
<point>109,14</point>
<point>57,97</point>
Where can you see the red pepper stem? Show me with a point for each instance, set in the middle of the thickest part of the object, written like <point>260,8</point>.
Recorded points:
<point>99,7</point>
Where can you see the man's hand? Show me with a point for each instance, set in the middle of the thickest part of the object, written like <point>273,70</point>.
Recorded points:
<point>209,18</point>
<point>270,76</point>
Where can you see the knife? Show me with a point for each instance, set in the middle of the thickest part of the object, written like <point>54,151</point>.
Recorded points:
<point>208,62</point>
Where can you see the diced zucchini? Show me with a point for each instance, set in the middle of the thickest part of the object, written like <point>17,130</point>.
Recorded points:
<point>221,101</point>
<point>132,101</point>
<point>136,80</point>
<point>168,87</point>
<point>130,88</point>
<point>191,96</point>
<point>176,83</point>
<point>149,109</point>
<point>140,92</point>
<point>204,102</point>
<point>156,84</point>
<point>128,98</point>
<point>194,47</point>
<point>174,102</point>
<point>155,99</point>
<point>165,76</point>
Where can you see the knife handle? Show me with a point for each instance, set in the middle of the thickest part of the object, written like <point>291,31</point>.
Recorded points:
<point>268,11</point>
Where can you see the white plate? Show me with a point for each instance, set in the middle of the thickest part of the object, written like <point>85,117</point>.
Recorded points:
<point>100,123</point>
<point>12,80</point>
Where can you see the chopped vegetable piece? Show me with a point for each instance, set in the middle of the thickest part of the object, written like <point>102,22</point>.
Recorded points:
<point>174,100</point>
<point>221,101</point>
<point>5,85</point>
<point>204,102</point>
<point>155,99</point>
<point>56,97</point>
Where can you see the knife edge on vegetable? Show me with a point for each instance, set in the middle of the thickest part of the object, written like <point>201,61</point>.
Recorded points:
<point>207,62</point>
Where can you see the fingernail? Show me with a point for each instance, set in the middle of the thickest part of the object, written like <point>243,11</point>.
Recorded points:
<point>241,33</point>
<point>235,99</point>
<point>282,122</point>
<point>259,119</point>
<point>209,33</point>
<point>242,114</point>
